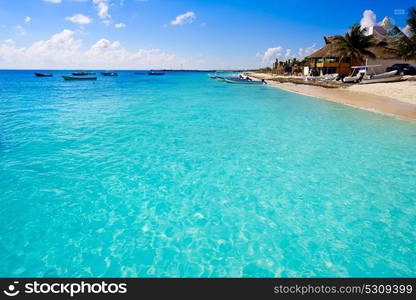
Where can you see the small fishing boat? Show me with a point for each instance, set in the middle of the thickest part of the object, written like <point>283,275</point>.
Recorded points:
<point>109,74</point>
<point>353,78</point>
<point>78,78</point>
<point>82,73</point>
<point>327,77</point>
<point>155,73</point>
<point>213,76</point>
<point>223,78</point>
<point>357,73</point>
<point>243,81</point>
<point>216,77</point>
<point>43,75</point>
<point>366,74</point>
<point>332,76</point>
<point>391,76</point>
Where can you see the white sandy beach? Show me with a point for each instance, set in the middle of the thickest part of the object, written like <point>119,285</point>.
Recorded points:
<point>404,91</point>
<point>396,99</point>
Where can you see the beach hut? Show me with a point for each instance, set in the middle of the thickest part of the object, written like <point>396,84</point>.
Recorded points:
<point>326,60</point>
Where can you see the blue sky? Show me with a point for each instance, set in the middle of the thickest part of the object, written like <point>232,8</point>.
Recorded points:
<point>206,34</point>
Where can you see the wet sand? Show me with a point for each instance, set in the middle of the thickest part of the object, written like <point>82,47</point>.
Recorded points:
<point>362,96</point>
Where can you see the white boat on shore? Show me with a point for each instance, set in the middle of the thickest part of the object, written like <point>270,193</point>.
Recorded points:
<point>367,74</point>
<point>353,78</point>
<point>332,76</point>
<point>391,76</point>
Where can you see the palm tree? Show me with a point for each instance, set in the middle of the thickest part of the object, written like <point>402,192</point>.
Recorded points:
<point>354,44</point>
<point>405,46</point>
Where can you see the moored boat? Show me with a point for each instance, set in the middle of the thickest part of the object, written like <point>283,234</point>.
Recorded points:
<point>213,76</point>
<point>82,73</point>
<point>332,76</point>
<point>367,74</point>
<point>391,76</point>
<point>109,74</point>
<point>216,77</point>
<point>43,75</point>
<point>243,81</point>
<point>155,73</point>
<point>222,77</point>
<point>328,77</point>
<point>78,78</point>
<point>353,78</point>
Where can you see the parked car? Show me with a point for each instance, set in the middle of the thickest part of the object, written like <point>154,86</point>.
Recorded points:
<point>407,69</point>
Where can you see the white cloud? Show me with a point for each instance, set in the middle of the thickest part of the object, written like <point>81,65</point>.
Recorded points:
<point>63,41</point>
<point>79,19</point>
<point>270,55</point>
<point>9,41</point>
<point>307,51</point>
<point>21,30</point>
<point>368,19</point>
<point>279,52</point>
<point>105,44</point>
<point>28,19</point>
<point>64,51</point>
<point>185,18</point>
<point>102,8</point>
<point>288,53</point>
<point>53,1</point>
<point>120,25</point>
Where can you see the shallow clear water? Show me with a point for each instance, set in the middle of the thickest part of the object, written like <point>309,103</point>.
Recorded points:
<point>180,175</point>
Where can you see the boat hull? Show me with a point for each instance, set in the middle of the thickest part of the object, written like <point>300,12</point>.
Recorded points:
<point>380,80</point>
<point>351,79</point>
<point>43,75</point>
<point>216,77</point>
<point>82,73</point>
<point>243,81</point>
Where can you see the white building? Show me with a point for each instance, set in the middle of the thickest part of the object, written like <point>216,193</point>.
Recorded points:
<point>384,31</point>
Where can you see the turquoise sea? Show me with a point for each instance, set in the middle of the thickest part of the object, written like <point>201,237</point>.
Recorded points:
<point>183,176</point>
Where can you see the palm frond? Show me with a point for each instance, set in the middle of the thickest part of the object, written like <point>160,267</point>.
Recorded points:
<point>355,43</point>
<point>411,21</point>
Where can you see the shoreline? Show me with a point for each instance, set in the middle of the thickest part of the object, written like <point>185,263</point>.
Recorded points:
<point>351,96</point>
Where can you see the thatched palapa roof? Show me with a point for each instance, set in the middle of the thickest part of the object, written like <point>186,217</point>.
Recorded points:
<point>329,50</point>
<point>326,51</point>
